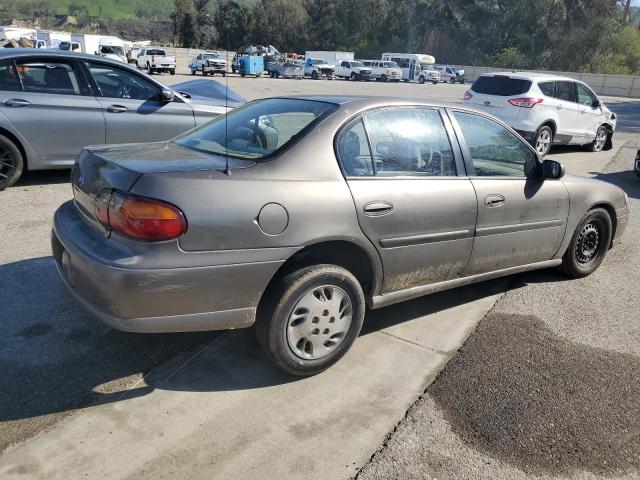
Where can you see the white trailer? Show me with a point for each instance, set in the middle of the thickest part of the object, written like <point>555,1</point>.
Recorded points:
<point>331,58</point>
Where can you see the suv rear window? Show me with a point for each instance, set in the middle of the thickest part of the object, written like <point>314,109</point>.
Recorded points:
<point>500,85</point>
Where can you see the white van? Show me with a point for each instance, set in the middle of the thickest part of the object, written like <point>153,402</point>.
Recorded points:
<point>416,67</point>
<point>384,71</point>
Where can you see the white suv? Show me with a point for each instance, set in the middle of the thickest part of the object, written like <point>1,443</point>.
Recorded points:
<point>384,71</point>
<point>545,109</point>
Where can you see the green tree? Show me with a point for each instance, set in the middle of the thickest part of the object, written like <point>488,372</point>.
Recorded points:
<point>282,23</point>
<point>232,22</point>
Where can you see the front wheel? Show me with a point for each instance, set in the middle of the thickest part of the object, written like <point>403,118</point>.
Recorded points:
<point>589,244</point>
<point>421,80</point>
<point>542,140</point>
<point>314,75</point>
<point>602,135</point>
<point>11,162</point>
<point>354,77</point>
<point>172,72</point>
<point>435,82</point>
<point>310,318</point>
<point>384,78</point>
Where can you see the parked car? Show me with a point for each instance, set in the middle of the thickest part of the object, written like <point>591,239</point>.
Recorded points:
<point>353,70</point>
<point>156,60</point>
<point>384,71</point>
<point>209,63</point>
<point>53,103</point>
<point>316,68</point>
<point>451,74</point>
<point>276,214</point>
<point>546,109</point>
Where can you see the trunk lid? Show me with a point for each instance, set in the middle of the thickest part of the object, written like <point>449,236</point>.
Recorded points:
<point>102,169</point>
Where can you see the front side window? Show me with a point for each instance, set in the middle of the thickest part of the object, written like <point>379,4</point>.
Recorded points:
<point>495,151</point>
<point>410,141</point>
<point>257,130</point>
<point>585,96</point>
<point>353,151</point>
<point>345,64</point>
<point>9,80</point>
<point>115,82</point>
<point>57,77</point>
<point>566,91</point>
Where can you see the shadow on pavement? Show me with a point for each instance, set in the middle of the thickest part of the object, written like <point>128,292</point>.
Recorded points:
<point>626,180</point>
<point>43,177</point>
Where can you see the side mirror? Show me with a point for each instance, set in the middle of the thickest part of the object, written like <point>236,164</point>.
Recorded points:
<point>167,95</point>
<point>597,103</point>
<point>552,169</point>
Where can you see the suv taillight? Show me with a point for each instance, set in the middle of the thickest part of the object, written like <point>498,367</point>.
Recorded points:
<point>141,218</point>
<point>525,102</point>
<point>468,96</point>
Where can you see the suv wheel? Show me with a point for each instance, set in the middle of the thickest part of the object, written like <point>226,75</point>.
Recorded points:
<point>602,135</point>
<point>384,78</point>
<point>589,244</point>
<point>311,318</point>
<point>314,75</point>
<point>11,162</point>
<point>543,140</point>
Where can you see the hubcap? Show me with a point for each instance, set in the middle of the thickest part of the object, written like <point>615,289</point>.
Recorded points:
<point>601,139</point>
<point>319,322</point>
<point>543,142</point>
<point>588,243</point>
<point>7,163</point>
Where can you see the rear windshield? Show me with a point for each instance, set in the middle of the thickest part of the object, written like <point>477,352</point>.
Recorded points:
<point>156,52</point>
<point>501,85</point>
<point>257,130</point>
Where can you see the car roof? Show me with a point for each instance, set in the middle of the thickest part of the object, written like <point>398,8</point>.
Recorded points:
<point>529,76</point>
<point>52,52</point>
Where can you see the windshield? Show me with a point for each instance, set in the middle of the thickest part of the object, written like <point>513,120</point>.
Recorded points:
<point>317,61</point>
<point>357,64</point>
<point>213,56</point>
<point>111,50</point>
<point>391,64</point>
<point>257,130</point>
<point>427,66</point>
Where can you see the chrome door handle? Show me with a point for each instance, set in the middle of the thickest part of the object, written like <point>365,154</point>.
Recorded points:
<point>117,108</point>
<point>16,102</point>
<point>494,200</point>
<point>375,209</point>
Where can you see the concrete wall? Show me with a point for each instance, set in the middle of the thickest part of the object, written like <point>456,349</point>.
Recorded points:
<point>611,85</point>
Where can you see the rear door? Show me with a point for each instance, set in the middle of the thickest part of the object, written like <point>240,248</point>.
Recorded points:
<point>133,108</point>
<point>53,108</point>
<point>568,130</point>
<point>491,93</point>
<point>410,202</point>
<point>521,216</point>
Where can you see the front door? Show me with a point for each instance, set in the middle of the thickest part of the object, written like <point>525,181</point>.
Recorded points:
<point>567,129</point>
<point>410,202</point>
<point>53,108</point>
<point>133,108</point>
<point>521,217</point>
<point>590,117</point>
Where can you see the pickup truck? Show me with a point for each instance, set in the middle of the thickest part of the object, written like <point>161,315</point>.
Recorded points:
<point>317,68</point>
<point>156,60</point>
<point>209,63</point>
<point>354,70</point>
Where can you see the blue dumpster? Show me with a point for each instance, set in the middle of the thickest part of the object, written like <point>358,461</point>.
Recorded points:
<point>251,65</point>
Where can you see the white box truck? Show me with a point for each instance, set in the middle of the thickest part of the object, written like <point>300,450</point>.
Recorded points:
<point>332,58</point>
<point>105,46</point>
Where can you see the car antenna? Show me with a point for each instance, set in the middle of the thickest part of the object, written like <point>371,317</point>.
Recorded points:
<point>226,108</point>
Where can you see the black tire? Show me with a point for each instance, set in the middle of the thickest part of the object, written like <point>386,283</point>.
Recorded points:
<point>272,324</point>
<point>149,69</point>
<point>598,145</point>
<point>435,82</point>
<point>452,80</point>
<point>11,162</point>
<point>594,231</point>
<point>542,140</point>
<point>421,80</point>
<point>384,78</point>
<point>193,72</point>
<point>353,77</point>
<point>224,74</point>
<point>172,72</point>
<point>314,75</point>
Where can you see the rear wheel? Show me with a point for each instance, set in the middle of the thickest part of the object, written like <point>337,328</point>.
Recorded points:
<point>421,80</point>
<point>602,135</point>
<point>452,80</point>
<point>543,140</point>
<point>314,75</point>
<point>172,72</point>
<point>589,244</point>
<point>354,77</point>
<point>311,318</point>
<point>384,78</point>
<point>11,162</point>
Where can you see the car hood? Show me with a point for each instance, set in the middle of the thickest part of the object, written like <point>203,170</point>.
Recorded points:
<point>209,93</point>
<point>160,157</point>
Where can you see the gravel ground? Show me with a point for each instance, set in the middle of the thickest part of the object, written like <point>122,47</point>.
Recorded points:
<point>548,386</point>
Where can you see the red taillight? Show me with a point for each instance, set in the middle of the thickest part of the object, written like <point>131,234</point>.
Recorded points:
<point>142,218</point>
<point>467,96</point>
<point>525,102</point>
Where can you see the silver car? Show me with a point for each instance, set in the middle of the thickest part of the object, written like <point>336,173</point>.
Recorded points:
<point>54,103</point>
<point>298,213</point>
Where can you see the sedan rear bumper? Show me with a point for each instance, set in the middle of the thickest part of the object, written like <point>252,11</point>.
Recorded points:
<point>154,300</point>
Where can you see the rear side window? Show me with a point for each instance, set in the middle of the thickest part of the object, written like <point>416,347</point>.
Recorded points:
<point>51,76</point>
<point>566,91</point>
<point>9,81</point>
<point>500,85</point>
<point>547,88</point>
